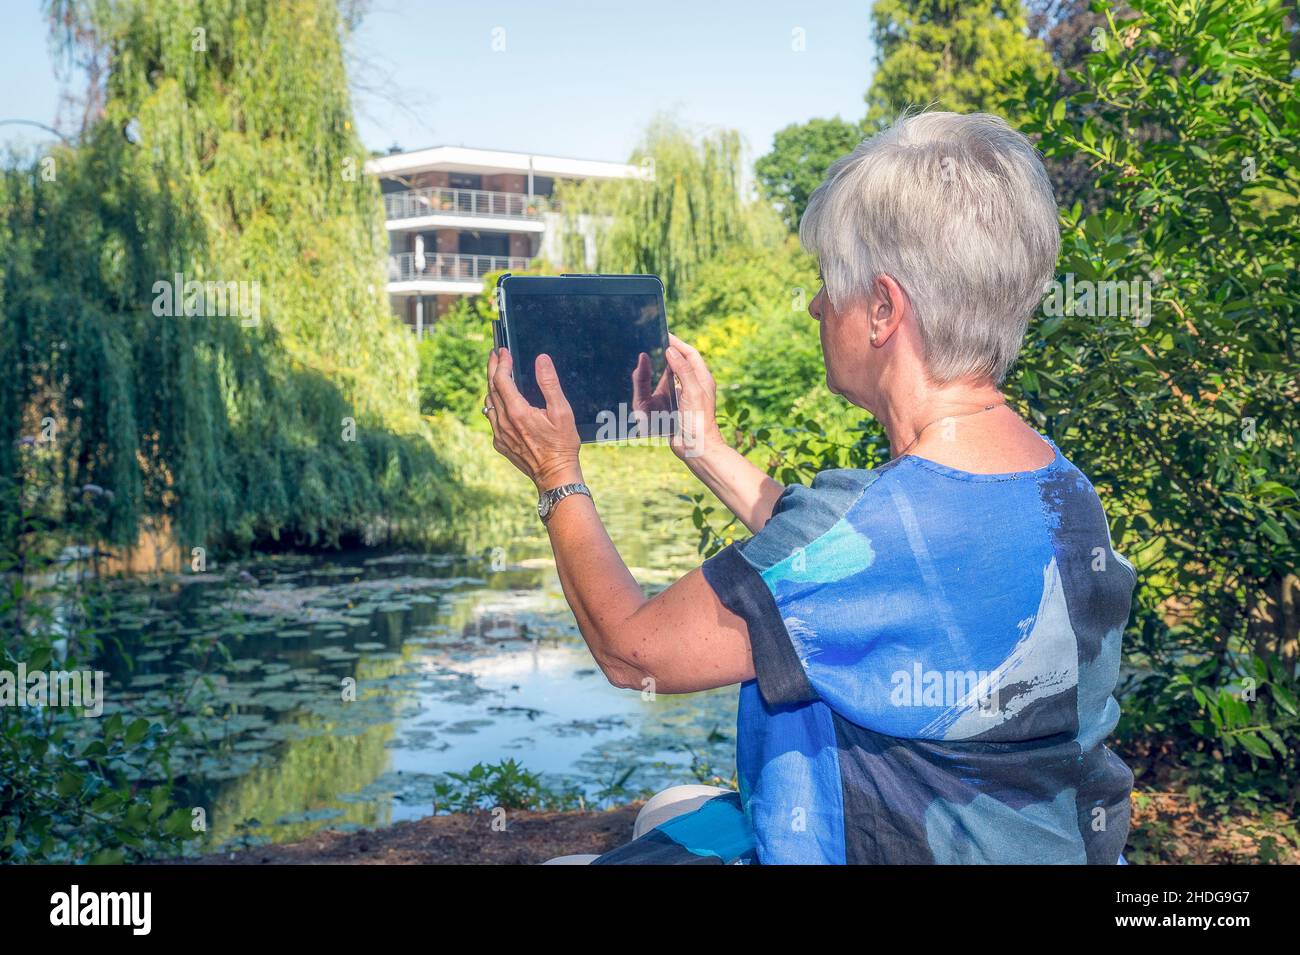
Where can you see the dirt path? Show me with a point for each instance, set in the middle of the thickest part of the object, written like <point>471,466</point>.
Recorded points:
<point>1166,830</point>
<point>529,838</point>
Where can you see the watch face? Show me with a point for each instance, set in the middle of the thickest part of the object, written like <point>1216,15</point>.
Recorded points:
<point>543,506</point>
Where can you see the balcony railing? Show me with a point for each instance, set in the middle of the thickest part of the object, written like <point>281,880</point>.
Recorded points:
<point>464,202</point>
<point>408,267</point>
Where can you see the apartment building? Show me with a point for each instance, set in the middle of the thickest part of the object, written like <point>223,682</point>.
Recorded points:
<point>455,214</point>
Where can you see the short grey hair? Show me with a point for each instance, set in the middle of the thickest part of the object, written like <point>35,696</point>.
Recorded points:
<point>959,211</point>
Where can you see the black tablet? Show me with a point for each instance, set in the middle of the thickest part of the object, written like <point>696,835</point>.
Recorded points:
<point>606,335</point>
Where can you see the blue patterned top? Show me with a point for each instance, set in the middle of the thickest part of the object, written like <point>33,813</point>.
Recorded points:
<point>936,654</point>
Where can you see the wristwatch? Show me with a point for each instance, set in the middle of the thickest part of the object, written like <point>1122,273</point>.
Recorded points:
<point>547,500</point>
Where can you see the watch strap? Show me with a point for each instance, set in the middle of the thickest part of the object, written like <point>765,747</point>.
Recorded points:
<point>554,495</point>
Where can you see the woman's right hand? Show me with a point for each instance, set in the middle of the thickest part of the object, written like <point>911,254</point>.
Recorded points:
<point>697,428</point>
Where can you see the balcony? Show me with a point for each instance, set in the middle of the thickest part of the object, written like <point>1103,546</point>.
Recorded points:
<point>450,272</point>
<point>464,203</point>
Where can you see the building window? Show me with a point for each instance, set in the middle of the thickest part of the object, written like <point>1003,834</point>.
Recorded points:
<point>465,180</point>
<point>484,243</point>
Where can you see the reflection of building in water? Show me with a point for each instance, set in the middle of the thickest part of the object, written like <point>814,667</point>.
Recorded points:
<point>455,214</point>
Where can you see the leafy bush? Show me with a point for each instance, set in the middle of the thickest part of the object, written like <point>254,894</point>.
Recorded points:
<point>73,787</point>
<point>453,361</point>
<point>1185,414</point>
<point>503,785</point>
<point>454,353</point>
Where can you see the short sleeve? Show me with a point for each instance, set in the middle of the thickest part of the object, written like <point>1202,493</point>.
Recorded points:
<point>800,517</point>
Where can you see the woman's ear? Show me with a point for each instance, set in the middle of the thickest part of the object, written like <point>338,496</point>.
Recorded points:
<point>889,305</point>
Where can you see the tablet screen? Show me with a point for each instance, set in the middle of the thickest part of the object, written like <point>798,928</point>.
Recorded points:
<point>607,338</point>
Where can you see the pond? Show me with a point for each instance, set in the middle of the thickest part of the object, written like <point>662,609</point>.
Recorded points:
<point>457,659</point>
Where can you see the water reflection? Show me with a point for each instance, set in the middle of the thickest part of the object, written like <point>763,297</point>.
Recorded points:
<point>451,660</point>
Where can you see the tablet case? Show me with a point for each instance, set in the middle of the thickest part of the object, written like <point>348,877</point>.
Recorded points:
<point>501,336</point>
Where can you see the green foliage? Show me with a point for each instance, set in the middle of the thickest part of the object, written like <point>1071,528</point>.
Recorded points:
<point>503,785</point>
<point>746,284</point>
<point>956,55</point>
<point>686,209</point>
<point>801,154</point>
<point>70,793</point>
<point>74,786</point>
<point>1186,417</point>
<point>454,353</point>
<point>214,428</point>
<point>747,314</point>
<point>453,361</point>
<point>746,310</point>
<point>1069,30</point>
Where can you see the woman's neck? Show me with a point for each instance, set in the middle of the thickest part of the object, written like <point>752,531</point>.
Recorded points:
<point>907,417</point>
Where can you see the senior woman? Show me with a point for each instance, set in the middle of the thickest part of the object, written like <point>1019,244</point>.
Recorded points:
<point>927,651</point>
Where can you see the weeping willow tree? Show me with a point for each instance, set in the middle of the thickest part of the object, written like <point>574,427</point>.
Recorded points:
<point>193,294</point>
<point>685,208</point>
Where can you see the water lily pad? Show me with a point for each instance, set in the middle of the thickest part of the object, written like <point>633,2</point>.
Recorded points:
<point>466,727</point>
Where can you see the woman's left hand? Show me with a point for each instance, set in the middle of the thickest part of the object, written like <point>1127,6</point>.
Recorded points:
<point>542,443</point>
